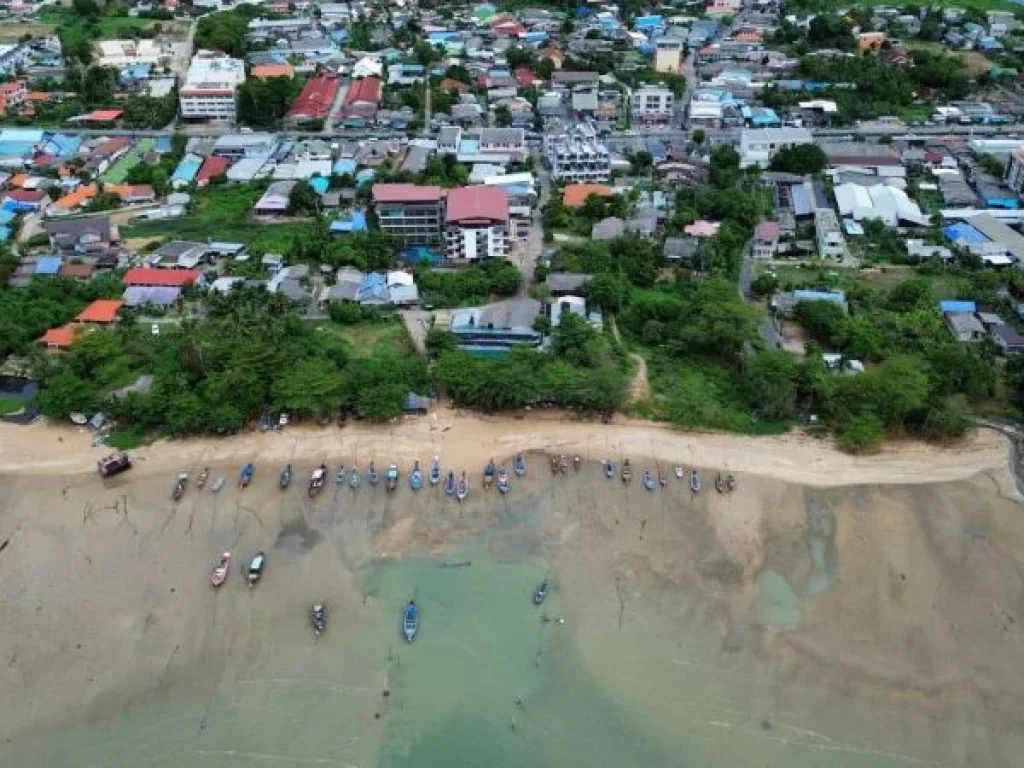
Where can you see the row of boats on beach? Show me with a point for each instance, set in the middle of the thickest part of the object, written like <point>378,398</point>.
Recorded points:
<point>493,476</point>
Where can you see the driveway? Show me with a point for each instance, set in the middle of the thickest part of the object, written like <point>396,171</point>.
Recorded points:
<point>525,254</point>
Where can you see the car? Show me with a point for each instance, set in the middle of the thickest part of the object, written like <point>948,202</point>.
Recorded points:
<point>154,329</point>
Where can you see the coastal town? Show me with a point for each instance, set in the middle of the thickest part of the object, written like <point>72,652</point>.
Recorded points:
<point>683,214</point>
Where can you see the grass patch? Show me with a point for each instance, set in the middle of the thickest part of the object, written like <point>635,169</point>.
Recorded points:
<point>118,172</point>
<point>16,30</point>
<point>696,394</point>
<point>364,339</point>
<point>226,211</point>
<point>886,276</point>
<point>102,27</point>
<point>128,439</point>
<point>9,405</point>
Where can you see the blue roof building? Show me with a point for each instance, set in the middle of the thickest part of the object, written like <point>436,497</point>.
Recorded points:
<point>953,307</point>
<point>365,176</point>
<point>345,165</point>
<point>962,232</point>
<point>186,171</point>
<point>48,265</point>
<point>648,23</point>
<point>7,216</point>
<point>356,222</point>
<point>319,184</point>
<point>5,234</point>
<point>374,289</point>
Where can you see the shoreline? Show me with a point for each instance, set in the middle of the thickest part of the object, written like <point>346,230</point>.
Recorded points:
<point>469,440</point>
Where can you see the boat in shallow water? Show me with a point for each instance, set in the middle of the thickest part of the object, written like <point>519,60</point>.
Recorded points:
<point>679,471</point>
<point>648,480</point>
<point>730,483</point>
<point>220,570</point>
<point>372,475</point>
<point>609,469</point>
<point>354,478</point>
<point>540,594</point>
<point>392,477</point>
<point>627,472</point>
<point>255,572</point>
<point>489,474</point>
<point>720,483</point>
<point>318,618</point>
<point>180,483</point>
<point>203,477</point>
<point>519,466</point>
<point>411,621</point>
<point>286,477</point>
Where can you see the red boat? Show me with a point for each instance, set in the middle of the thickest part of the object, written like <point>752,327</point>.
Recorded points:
<point>220,571</point>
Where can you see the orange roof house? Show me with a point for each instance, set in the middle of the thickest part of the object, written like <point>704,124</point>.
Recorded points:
<point>870,41</point>
<point>59,338</point>
<point>17,180</point>
<point>576,194</point>
<point>101,311</point>
<point>76,199</point>
<point>266,71</point>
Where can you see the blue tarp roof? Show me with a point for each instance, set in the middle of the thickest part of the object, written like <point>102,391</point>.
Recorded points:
<point>343,166</point>
<point>319,184</point>
<point>365,176</point>
<point>21,135</point>
<point>186,171</point>
<point>48,265</point>
<point>7,216</point>
<point>5,234</point>
<point>16,148</point>
<point>963,232</point>
<point>61,144</point>
<point>374,287</point>
<point>954,307</point>
<point>356,222</point>
<point>836,297</point>
<point>648,22</point>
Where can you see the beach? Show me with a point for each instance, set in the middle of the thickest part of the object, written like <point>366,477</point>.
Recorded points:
<point>832,610</point>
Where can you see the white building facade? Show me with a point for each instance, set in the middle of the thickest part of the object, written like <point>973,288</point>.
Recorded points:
<point>209,91</point>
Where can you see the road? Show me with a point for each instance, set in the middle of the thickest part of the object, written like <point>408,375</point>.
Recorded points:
<point>332,115</point>
<point>529,252</point>
<point>768,328</point>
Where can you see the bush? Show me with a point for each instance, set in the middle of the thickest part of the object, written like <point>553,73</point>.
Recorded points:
<point>350,313</point>
<point>862,435</point>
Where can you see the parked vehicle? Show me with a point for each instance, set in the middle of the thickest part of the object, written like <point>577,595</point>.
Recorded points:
<point>114,464</point>
<point>255,572</point>
<point>220,570</point>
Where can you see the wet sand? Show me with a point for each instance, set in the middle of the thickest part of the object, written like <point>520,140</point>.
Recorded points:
<point>832,610</point>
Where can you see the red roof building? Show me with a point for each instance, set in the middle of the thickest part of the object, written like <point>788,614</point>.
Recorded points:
<point>101,311</point>
<point>524,77</point>
<point>406,193</point>
<point>160,278</point>
<point>363,97</point>
<point>212,167</point>
<point>315,100</point>
<point>476,224</point>
<point>58,338</point>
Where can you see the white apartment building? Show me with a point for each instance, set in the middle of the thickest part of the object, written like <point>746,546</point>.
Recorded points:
<point>829,235</point>
<point>652,104</point>
<point>759,145</point>
<point>577,155</point>
<point>476,223</point>
<point>208,92</point>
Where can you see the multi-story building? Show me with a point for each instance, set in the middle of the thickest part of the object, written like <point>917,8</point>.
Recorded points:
<point>668,54</point>
<point>476,223</point>
<point>503,141</point>
<point>652,104</point>
<point>12,94</point>
<point>1014,176</point>
<point>129,53</point>
<point>210,85</point>
<point>759,145</point>
<point>409,213</point>
<point>576,155</point>
<point>829,235</point>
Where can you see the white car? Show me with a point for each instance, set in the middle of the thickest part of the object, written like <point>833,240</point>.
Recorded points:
<point>154,329</point>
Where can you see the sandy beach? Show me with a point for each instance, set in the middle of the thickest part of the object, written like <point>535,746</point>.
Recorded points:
<point>833,610</point>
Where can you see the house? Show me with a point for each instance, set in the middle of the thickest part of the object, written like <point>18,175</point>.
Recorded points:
<point>314,101</point>
<point>81,236</point>
<point>477,223</point>
<point>680,250</point>
<point>785,303</point>
<point>178,254</point>
<point>12,94</point>
<point>870,41</point>
<point>275,200</point>
<point>759,145</point>
<point>652,104</point>
<point>267,71</point>
<point>410,213</point>
<point>497,327</point>
<point>829,235</point>
<point>564,284</point>
<point>58,339</point>
<point>148,277</point>
<point>362,100</point>
<point>766,239</point>
<point>964,327</point>
<point>100,312</point>
<point>576,155</point>
<point>212,167</point>
<point>503,141</point>
<point>1007,339</point>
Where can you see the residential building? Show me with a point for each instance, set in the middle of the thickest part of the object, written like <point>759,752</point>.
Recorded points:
<point>766,239</point>
<point>584,98</point>
<point>122,54</point>
<point>82,236</point>
<point>362,100</point>
<point>477,223</point>
<point>409,213</point>
<point>1014,176</point>
<point>315,101</point>
<point>12,94</point>
<point>504,141</point>
<point>759,145</point>
<point>208,92</point>
<point>829,235</point>
<point>576,155</point>
<point>497,327</point>
<point>652,104</point>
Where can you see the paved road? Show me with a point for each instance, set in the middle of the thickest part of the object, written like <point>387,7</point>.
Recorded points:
<point>767,328</point>
<point>332,115</point>
<point>529,252</point>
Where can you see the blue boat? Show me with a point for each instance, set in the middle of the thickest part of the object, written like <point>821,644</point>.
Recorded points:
<point>449,486</point>
<point>411,621</point>
<point>609,469</point>
<point>435,471</point>
<point>489,474</point>
<point>416,478</point>
<point>695,481</point>
<point>372,475</point>
<point>354,478</point>
<point>462,488</point>
<point>392,477</point>
<point>502,481</point>
<point>519,467</point>
<point>246,477</point>
<point>541,592</point>
<point>648,480</point>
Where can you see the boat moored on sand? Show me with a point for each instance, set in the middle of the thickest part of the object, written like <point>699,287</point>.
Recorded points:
<point>246,477</point>
<point>449,485</point>
<point>489,475</point>
<point>411,621</point>
<point>720,483</point>
<point>730,483</point>
<point>392,477</point>
<point>695,481</point>
<point>286,477</point>
<point>627,472</point>
<point>563,464</point>
<point>609,469</point>
<point>502,481</point>
<point>220,570</point>
<point>203,477</point>
<point>218,483</point>
<point>416,478</point>
<point>255,571</point>
<point>679,472</point>
<point>462,488</point>
<point>372,475</point>
<point>435,471</point>
<point>180,484</point>
<point>354,478</point>
<point>316,481</point>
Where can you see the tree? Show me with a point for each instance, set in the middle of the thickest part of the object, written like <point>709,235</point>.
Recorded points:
<point>827,30</point>
<point>698,135</point>
<point>502,116</point>
<point>770,378</point>
<point>312,387</point>
<point>303,199</point>
<point>573,339</point>
<point>948,418</point>
<point>800,158</point>
<point>608,292</point>
<point>86,9</point>
<point>725,167</point>
<point>898,387</point>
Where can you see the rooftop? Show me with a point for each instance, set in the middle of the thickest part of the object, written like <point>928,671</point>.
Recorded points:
<point>406,193</point>
<point>477,203</point>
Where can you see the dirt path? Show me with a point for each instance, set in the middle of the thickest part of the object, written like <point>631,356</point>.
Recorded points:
<point>639,389</point>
